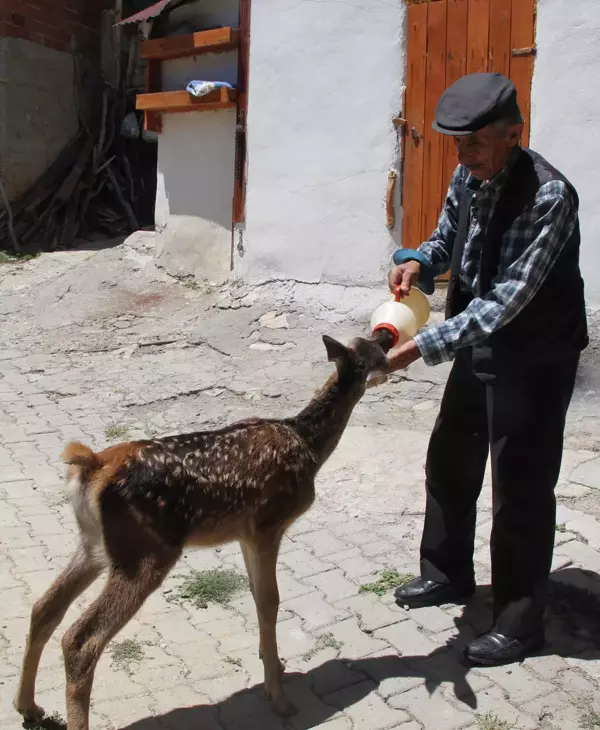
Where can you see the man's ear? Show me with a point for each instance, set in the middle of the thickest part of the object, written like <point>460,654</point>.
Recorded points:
<point>336,352</point>
<point>516,133</point>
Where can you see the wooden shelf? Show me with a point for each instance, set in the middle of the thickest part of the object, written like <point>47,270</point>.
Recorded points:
<point>156,102</point>
<point>204,41</point>
<point>182,101</point>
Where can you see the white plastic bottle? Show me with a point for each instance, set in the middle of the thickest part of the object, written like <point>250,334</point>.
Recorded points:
<point>403,316</point>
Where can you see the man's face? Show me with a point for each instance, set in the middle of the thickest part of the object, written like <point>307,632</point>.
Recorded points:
<point>486,151</point>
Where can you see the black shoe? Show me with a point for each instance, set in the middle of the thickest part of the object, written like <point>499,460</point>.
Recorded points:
<point>493,649</point>
<point>419,593</point>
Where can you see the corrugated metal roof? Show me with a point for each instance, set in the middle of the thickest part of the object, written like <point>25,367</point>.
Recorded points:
<point>152,12</point>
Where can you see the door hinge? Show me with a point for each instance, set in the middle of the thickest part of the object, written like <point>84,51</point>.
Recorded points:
<point>520,52</point>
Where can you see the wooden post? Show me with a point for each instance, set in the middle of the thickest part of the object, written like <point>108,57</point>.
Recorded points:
<point>239,192</point>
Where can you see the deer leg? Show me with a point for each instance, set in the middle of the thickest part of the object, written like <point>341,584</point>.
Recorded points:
<point>262,559</point>
<point>46,615</point>
<point>247,563</point>
<point>85,641</point>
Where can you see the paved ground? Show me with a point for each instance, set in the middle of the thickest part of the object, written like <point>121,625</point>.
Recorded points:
<point>98,342</point>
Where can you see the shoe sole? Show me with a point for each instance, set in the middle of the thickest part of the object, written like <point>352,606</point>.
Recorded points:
<point>447,600</point>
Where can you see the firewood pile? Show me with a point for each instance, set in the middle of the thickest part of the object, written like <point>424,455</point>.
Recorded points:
<point>89,188</point>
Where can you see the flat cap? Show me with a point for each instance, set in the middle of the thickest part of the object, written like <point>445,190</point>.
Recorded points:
<point>473,102</point>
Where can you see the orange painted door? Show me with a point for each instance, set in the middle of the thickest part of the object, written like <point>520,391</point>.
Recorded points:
<point>447,39</point>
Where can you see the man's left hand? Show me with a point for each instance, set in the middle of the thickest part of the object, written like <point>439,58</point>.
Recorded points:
<point>404,356</point>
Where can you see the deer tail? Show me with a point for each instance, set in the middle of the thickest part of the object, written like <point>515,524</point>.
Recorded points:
<point>76,454</point>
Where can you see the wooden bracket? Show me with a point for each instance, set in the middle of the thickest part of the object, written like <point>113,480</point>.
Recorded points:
<point>389,200</point>
<point>153,120</point>
<point>399,122</point>
<point>523,52</point>
<point>204,41</point>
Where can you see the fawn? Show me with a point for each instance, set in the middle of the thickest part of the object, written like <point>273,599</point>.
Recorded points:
<point>139,504</point>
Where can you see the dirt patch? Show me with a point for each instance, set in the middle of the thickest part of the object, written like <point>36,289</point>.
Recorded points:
<point>142,301</point>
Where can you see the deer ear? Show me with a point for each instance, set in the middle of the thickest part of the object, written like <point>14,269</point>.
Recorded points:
<point>335,350</point>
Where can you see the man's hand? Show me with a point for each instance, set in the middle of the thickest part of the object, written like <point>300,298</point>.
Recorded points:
<point>404,276</point>
<point>404,356</point>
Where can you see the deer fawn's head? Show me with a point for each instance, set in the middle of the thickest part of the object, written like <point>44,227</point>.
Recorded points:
<point>357,361</point>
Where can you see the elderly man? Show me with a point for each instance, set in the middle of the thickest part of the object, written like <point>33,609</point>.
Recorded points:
<point>515,327</point>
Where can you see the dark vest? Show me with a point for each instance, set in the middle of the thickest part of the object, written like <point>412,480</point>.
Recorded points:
<point>553,325</point>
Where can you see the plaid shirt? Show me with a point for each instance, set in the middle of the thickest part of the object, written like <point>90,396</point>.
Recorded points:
<point>530,247</point>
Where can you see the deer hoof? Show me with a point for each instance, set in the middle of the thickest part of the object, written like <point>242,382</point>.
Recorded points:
<point>32,713</point>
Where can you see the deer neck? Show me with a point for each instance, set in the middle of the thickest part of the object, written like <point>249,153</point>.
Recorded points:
<point>322,423</point>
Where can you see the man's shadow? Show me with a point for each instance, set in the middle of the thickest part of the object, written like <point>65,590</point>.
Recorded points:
<point>573,630</point>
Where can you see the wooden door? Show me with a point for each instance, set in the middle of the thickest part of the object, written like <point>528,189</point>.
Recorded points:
<point>447,39</point>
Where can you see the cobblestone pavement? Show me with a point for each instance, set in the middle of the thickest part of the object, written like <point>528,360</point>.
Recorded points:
<point>99,345</point>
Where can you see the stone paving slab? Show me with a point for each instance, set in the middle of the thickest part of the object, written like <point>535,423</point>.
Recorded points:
<point>157,357</point>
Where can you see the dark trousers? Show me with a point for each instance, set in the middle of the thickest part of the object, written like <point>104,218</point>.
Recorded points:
<point>519,420</point>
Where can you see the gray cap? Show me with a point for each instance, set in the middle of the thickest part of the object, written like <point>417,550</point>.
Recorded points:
<point>473,102</point>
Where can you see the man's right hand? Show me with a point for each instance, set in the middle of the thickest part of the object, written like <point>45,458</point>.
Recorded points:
<point>404,276</point>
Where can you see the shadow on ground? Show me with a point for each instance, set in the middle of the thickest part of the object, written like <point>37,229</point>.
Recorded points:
<point>35,248</point>
<point>573,630</point>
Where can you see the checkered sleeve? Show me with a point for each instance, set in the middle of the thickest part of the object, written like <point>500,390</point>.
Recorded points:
<point>530,248</point>
<point>438,249</point>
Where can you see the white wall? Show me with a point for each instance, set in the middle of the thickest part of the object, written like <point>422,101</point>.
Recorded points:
<point>196,158</point>
<point>566,110</point>
<point>325,82</point>
<point>196,155</point>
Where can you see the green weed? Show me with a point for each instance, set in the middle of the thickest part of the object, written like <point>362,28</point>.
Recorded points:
<point>55,721</point>
<point>387,581</point>
<point>202,587</point>
<point>126,653</point>
<point>323,641</point>
<point>491,721</point>
<point>116,433</point>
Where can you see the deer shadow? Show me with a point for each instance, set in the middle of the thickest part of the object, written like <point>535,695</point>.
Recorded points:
<point>573,630</point>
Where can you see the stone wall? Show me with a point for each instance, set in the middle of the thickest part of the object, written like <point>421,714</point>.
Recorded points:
<point>38,116</point>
